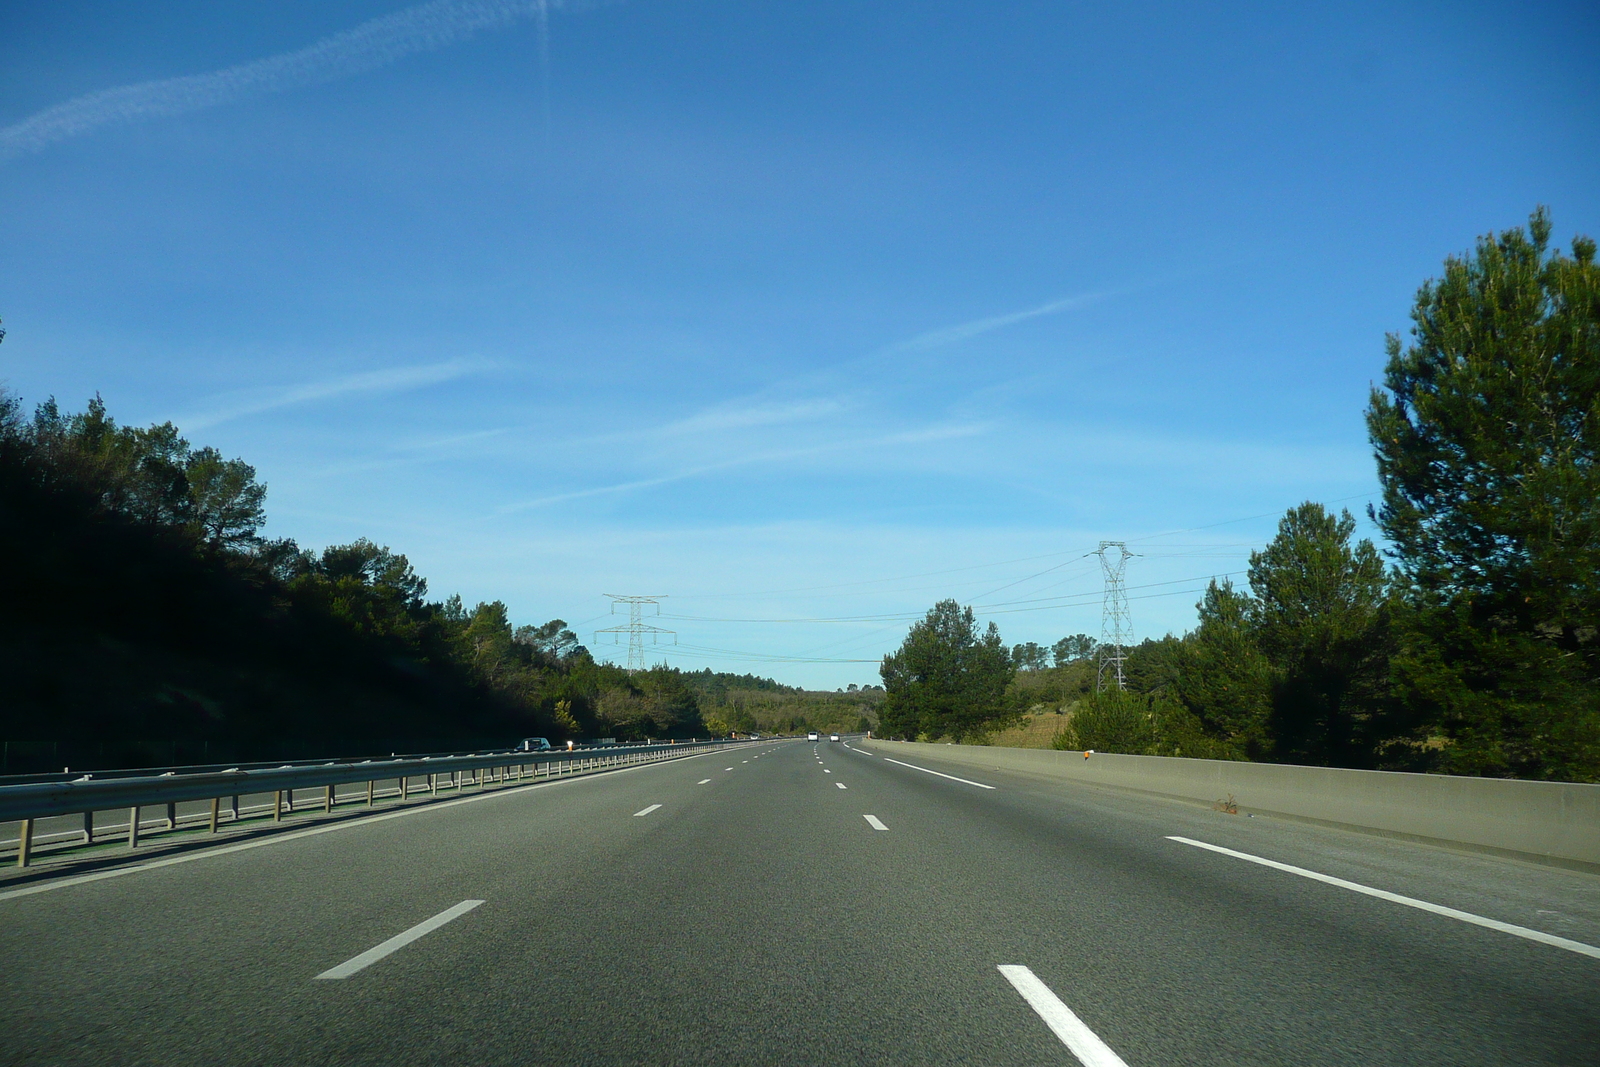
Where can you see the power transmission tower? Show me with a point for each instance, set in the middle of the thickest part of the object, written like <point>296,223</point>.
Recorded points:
<point>636,628</point>
<point>1115,629</point>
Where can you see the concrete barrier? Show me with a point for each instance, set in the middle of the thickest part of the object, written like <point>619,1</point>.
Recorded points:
<point>1550,822</point>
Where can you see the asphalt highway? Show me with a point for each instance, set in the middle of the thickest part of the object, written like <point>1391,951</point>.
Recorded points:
<point>804,903</point>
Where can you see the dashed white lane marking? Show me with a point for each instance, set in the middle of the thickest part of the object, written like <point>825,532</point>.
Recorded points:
<point>1081,1041</point>
<point>703,781</point>
<point>841,785</point>
<point>874,822</point>
<point>826,771</point>
<point>646,811</point>
<point>1410,902</point>
<point>744,761</point>
<point>727,768</point>
<point>398,941</point>
<point>941,774</point>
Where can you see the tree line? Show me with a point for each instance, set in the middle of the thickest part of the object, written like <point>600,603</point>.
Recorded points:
<point>1469,645</point>
<point>148,621</point>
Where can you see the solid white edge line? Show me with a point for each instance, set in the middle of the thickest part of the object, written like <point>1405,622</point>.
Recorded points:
<point>874,822</point>
<point>1410,902</point>
<point>397,942</point>
<point>646,811</point>
<point>1079,1039</point>
<point>941,774</point>
<point>313,831</point>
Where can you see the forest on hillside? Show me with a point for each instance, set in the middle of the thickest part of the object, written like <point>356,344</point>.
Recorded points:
<point>147,622</point>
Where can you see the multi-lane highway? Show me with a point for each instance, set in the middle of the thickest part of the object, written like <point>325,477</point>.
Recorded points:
<point>807,903</point>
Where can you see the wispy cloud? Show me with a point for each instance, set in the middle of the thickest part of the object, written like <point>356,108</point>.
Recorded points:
<point>373,44</point>
<point>949,335</point>
<point>389,380</point>
<point>922,436</point>
<point>743,415</point>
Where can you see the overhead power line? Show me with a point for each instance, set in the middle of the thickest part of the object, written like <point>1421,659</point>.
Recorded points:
<point>987,609</point>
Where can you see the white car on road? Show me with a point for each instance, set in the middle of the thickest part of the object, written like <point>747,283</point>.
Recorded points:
<point>813,736</point>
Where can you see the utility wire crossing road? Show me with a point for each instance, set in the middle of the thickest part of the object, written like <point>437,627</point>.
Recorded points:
<point>884,912</point>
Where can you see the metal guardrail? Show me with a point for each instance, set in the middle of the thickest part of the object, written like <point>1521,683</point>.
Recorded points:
<point>320,761</point>
<point>25,803</point>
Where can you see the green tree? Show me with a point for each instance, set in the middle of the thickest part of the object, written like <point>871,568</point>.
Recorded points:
<point>1074,649</point>
<point>1226,680</point>
<point>1487,436</point>
<point>564,720</point>
<point>1154,664</point>
<point>1030,656</point>
<point>227,503</point>
<point>1320,619</point>
<point>153,475</point>
<point>488,645</point>
<point>946,679</point>
<point>553,639</point>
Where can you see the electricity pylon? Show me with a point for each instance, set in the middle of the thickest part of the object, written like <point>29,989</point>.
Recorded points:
<point>636,628</point>
<point>1115,629</point>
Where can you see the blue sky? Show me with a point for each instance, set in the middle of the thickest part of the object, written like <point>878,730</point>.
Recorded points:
<point>814,311</point>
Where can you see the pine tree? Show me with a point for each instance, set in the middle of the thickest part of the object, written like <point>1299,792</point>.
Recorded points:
<point>947,679</point>
<point>1487,434</point>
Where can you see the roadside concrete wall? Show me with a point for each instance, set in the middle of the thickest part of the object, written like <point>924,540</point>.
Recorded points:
<point>1551,821</point>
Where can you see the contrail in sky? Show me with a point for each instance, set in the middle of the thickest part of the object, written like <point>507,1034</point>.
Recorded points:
<point>373,44</point>
<point>949,335</point>
<point>388,380</point>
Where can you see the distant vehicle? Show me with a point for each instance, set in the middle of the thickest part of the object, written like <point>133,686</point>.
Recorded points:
<point>533,744</point>
<point>833,737</point>
<point>813,736</point>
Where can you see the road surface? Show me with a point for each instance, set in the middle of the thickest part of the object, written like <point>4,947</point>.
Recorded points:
<point>801,903</point>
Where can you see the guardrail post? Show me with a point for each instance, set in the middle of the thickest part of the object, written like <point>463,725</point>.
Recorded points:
<point>327,800</point>
<point>277,806</point>
<point>404,781</point>
<point>433,785</point>
<point>369,794</point>
<point>216,810</point>
<point>88,827</point>
<point>172,815</point>
<point>24,842</point>
<point>133,826</point>
<point>234,807</point>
